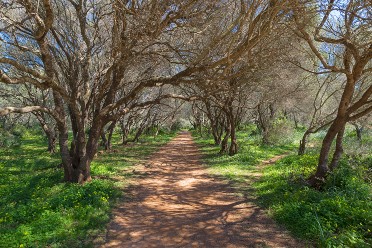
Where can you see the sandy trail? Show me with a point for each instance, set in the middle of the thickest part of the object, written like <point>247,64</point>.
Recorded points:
<point>175,203</point>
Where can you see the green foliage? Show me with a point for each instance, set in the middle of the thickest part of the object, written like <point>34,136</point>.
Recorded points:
<point>338,216</point>
<point>11,136</point>
<point>352,146</point>
<point>38,210</point>
<point>281,132</point>
<point>176,126</point>
<point>238,168</point>
<point>355,147</point>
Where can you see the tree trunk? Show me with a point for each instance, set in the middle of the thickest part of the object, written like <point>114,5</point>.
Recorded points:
<point>358,130</point>
<point>110,130</point>
<point>52,142</point>
<point>104,141</point>
<point>76,160</point>
<point>216,135</point>
<point>225,141</point>
<point>156,131</point>
<point>338,150</point>
<point>295,121</point>
<point>217,138</point>
<point>63,137</point>
<point>138,134</point>
<point>64,150</point>
<point>81,156</point>
<point>265,136</point>
<point>303,142</point>
<point>125,129</point>
<point>263,122</point>
<point>81,171</point>
<point>359,133</point>
<point>200,127</point>
<point>109,139</point>
<point>322,170</point>
<point>233,145</point>
<point>49,132</point>
<point>124,138</point>
<point>336,128</point>
<point>86,152</point>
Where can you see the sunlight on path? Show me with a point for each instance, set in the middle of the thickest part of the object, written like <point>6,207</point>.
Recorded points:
<point>175,203</point>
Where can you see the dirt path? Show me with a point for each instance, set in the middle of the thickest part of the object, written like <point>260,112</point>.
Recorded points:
<point>175,203</point>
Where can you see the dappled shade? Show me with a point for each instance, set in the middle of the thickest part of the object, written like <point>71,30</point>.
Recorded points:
<point>175,203</point>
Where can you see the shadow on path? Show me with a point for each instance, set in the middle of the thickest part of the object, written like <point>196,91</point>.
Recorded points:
<point>175,203</point>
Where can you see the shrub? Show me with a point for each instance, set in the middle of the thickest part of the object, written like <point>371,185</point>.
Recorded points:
<point>12,136</point>
<point>281,132</point>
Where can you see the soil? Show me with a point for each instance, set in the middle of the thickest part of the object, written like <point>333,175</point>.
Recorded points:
<point>176,203</point>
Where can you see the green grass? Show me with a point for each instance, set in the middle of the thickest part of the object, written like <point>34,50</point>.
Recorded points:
<point>238,168</point>
<point>38,210</point>
<point>340,215</point>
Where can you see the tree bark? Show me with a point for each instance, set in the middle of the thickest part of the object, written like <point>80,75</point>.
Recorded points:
<point>358,130</point>
<point>263,122</point>
<point>200,129</point>
<point>110,133</point>
<point>233,145</point>
<point>124,137</point>
<point>63,137</point>
<point>76,160</point>
<point>138,134</point>
<point>295,121</point>
<point>86,152</point>
<point>336,128</point>
<point>104,142</point>
<point>125,129</point>
<point>338,150</point>
<point>51,142</point>
<point>303,142</point>
<point>49,132</point>
<point>225,141</point>
<point>216,136</point>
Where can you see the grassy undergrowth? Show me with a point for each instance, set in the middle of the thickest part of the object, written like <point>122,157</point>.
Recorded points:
<point>238,168</point>
<point>38,210</point>
<point>340,215</point>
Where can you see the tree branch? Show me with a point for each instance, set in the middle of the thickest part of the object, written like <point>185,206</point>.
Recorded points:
<point>24,110</point>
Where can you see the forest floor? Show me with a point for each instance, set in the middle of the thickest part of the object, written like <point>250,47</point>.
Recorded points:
<point>175,202</point>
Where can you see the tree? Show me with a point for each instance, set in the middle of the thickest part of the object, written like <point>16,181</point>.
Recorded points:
<point>100,59</point>
<point>326,89</point>
<point>341,41</point>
